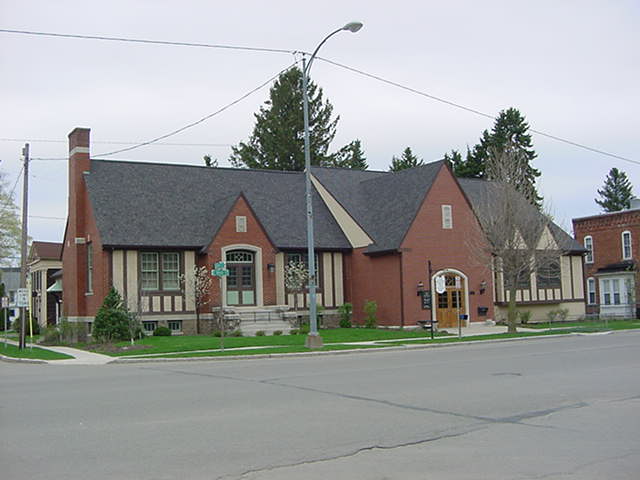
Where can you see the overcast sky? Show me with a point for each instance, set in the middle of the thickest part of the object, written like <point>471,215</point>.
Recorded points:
<point>571,67</point>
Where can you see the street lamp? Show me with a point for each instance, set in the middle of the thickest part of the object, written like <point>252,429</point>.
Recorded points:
<point>313,339</point>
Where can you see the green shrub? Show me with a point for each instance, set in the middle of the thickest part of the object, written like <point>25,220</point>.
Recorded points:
<point>236,333</point>
<point>304,329</point>
<point>370,309</point>
<point>277,332</point>
<point>35,326</point>
<point>260,333</point>
<point>51,336</point>
<point>162,332</point>
<point>293,331</point>
<point>217,333</point>
<point>525,317</point>
<point>112,320</point>
<point>345,315</point>
<point>559,314</point>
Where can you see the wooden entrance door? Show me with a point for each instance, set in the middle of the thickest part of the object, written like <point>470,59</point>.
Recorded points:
<point>450,304</point>
<point>241,282</point>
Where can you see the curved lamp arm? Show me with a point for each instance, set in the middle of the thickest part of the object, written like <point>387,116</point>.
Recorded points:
<point>352,27</point>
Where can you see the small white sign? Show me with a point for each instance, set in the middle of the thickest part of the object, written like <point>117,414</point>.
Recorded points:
<point>440,285</point>
<point>5,302</point>
<point>22,297</point>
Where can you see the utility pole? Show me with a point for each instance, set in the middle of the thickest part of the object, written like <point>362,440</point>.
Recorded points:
<point>23,248</point>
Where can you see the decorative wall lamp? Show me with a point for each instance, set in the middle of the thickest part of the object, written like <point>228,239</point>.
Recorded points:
<point>483,286</point>
<point>420,288</point>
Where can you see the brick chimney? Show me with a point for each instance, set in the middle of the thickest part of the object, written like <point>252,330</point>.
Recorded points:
<point>74,258</point>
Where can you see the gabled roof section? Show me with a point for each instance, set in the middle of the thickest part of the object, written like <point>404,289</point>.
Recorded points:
<point>45,251</point>
<point>384,204</point>
<point>166,205</point>
<point>478,191</point>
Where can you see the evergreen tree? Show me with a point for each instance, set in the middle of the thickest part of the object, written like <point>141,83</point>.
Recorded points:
<point>509,130</point>
<point>349,156</point>
<point>616,193</point>
<point>406,160</point>
<point>112,320</point>
<point>277,141</point>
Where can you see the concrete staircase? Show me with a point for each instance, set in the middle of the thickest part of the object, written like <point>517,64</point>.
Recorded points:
<point>263,319</point>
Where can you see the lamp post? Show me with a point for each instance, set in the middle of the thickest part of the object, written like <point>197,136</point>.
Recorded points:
<point>313,339</point>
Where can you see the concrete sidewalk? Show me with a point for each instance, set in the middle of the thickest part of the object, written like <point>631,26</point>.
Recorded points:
<point>81,357</point>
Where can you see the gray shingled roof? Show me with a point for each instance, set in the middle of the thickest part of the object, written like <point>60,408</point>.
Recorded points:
<point>478,191</point>
<point>166,205</point>
<point>384,204</point>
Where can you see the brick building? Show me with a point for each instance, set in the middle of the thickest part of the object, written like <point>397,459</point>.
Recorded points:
<point>610,265</point>
<point>140,226</point>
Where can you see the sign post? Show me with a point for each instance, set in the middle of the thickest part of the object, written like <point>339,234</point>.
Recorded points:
<point>220,270</point>
<point>5,307</point>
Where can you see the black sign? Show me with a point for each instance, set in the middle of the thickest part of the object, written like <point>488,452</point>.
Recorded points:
<point>426,299</point>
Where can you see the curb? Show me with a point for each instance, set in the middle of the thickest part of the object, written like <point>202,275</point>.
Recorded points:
<point>4,358</point>
<point>124,360</point>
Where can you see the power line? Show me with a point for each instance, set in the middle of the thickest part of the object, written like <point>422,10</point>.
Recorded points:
<point>203,119</point>
<point>148,41</point>
<point>116,142</point>
<point>472,110</point>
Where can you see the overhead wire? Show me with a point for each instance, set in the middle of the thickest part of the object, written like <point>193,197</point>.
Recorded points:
<point>147,41</point>
<point>472,110</point>
<point>296,52</point>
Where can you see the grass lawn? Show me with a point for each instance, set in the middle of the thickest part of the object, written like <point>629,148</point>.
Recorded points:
<point>590,326</point>
<point>186,343</point>
<point>33,353</point>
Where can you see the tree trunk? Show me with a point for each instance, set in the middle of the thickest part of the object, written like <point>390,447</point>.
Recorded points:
<point>512,312</point>
<point>197,321</point>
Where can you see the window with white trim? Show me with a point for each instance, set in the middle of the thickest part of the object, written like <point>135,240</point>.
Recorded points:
<point>149,326</point>
<point>615,288</point>
<point>175,325</point>
<point>160,271</point>
<point>588,244</point>
<point>605,292</point>
<point>626,245</point>
<point>591,290</point>
<point>241,224</point>
<point>447,217</point>
<point>89,267</point>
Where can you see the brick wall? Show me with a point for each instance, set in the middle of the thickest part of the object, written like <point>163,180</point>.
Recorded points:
<point>81,224</point>
<point>254,236</point>
<point>457,248</point>
<point>606,232</point>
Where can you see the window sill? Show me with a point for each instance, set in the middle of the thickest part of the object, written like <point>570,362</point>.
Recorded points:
<point>88,294</point>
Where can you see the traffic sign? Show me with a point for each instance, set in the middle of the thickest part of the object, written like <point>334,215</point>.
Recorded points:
<point>5,302</point>
<point>219,265</point>
<point>22,297</point>
<point>220,272</point>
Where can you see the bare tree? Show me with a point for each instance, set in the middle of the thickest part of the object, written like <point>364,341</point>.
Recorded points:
<point>516,239</point>
<point>296,277</point>
<point>199,282</point>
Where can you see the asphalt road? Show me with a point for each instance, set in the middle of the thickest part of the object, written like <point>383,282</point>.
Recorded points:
<point>563,408</point>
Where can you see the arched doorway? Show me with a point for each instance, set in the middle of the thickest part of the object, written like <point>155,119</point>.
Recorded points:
<point>241,282</point>
<point>453,300</point>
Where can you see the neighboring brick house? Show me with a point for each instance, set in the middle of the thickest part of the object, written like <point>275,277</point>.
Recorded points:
<point>44,261</point>
<point>139,226</point>
<point>611,263</point>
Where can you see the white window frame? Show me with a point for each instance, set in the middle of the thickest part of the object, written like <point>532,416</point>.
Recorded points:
<point>175,323</point>
<point>166,272</point>
<point>156,285</point>
<point>615,292</point>
<point>588,244</point>
<point>447,217</point>
<point>591,290</point>
<point>89,268</point>
<point>626,255</point>
<point>605,292</point>
<point>241,224</point>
